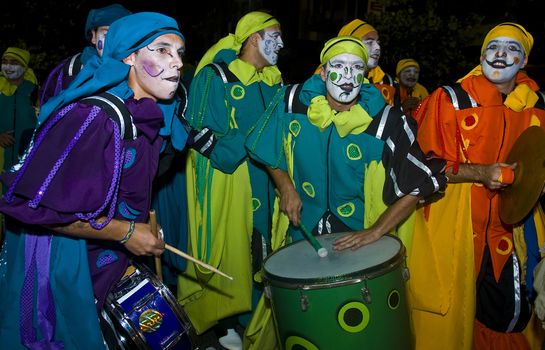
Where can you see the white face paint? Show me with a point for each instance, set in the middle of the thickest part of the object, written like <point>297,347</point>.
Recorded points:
<point>99,38</point>
<point>503,57</point>
<point>157,67</point>
<point>271,43</point>
<point>12,69</point>
<point>372,43</point>
<point>408,77</point>
<point>344,76</point>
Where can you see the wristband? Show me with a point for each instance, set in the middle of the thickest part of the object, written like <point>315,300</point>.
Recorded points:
<point>132,226</point>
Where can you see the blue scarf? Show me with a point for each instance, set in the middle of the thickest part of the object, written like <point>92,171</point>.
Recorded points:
<point>125,36</point>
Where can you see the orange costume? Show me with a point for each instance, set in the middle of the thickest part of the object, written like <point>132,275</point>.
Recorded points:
<point>450,280</point>
<point>403,92</point>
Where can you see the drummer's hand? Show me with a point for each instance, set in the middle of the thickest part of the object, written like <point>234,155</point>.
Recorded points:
<point>491,174</point>
<point>7,139</point>
<point>290,204</point>
<point>144,242</point>
<point>356,239</point>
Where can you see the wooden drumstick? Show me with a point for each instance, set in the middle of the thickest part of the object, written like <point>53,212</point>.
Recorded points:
<point>196,261</point>
<point>153,226</point>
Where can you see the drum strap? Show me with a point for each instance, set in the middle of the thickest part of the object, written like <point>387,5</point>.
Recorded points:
<point>73,66</point>
<point>221,69</point>
<point>540,100</point>
<point>460,98</point>
<point>116,110</point>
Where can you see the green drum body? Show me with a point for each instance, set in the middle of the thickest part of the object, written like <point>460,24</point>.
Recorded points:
<point>347,300</point>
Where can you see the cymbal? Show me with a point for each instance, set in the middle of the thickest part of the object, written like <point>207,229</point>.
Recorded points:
<point>516,201</point>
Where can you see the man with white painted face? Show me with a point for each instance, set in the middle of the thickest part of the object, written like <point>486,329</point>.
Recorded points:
<point>369,36</point>
<point>324,142</point>
<point>229,196</point>
<point>471,274</point>
<point>96,27</point>
<point>18,100</point>
<point>409,92</point>
<point>342,159</point>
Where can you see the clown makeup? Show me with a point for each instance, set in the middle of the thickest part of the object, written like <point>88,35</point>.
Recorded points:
<point>99,38</point>
<point>271,43</point>
<point>157,66</point>
<point>344,76</point>
<point>503,57</point>
<point>373,47</point>
<point>409,76</point>
<point>12,69</point>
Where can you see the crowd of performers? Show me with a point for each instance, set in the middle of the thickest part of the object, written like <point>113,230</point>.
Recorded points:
<point>237,164</point>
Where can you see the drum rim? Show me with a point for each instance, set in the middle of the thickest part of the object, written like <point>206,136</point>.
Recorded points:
<point>315,283</point>
<point>134,332</point>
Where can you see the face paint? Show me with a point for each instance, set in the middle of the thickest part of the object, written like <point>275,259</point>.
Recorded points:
<point>12,69</point>
<point>373,47</point>
<point>503,57</point>
<point>270,44</point>
<point>409,76</point>
<point>157,66</point>
<point>344,76</point>
<point>99,38</point>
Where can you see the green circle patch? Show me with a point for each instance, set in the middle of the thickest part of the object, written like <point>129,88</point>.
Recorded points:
<point>237,92</point>
<point>353,317</point>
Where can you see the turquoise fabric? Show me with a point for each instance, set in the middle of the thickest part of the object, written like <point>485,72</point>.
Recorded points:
<point>17,114</point>
<point>104,16</point>
<point>170,203</point>
<point>69,276</point>
<point>328,171</point>
<point>206,110</point>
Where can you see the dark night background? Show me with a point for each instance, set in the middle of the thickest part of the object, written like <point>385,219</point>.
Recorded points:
<point>444,36</point>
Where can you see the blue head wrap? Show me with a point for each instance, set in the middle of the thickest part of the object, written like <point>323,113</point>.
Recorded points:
<point>108,72</point>
<point>104,16</point>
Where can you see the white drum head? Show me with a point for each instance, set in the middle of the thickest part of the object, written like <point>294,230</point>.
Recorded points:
<point>300,263</point>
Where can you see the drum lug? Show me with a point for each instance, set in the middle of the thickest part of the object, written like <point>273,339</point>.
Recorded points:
<point>406,274</point>
<point>267,292</point>
<point>303,301</point>
<point>366,293</point>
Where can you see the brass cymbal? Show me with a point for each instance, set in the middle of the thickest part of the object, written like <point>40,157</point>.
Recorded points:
<point>516,201</point>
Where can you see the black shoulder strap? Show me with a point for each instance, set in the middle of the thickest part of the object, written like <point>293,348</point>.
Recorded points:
<point>387,80</point>
<point>540,100</point>
<point>117,111</point>
<point>223,71</point>
<point>73,66</point>
<point>291,100</point>
<point>459,97</point>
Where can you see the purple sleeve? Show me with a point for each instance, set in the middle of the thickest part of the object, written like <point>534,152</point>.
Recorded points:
<point>53,84</point>
<point>82,180</point>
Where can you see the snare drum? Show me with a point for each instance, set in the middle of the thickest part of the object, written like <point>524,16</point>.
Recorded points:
<point>347,300</point>
<point>142,313</point>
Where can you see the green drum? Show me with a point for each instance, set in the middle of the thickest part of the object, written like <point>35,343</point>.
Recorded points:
<point>347,300</point>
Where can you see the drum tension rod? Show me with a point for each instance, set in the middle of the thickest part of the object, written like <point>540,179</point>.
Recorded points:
<point>303,301</point>
<point>365,293</point>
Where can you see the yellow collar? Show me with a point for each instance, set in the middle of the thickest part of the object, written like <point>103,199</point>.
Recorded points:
<point>354,121</point>
<point>247,73</point>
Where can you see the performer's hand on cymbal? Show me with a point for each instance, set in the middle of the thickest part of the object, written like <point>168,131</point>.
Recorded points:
<point>491,175</point>
<point>144,242</point>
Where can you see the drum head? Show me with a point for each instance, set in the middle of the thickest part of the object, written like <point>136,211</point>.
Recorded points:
<point>299,263</point>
